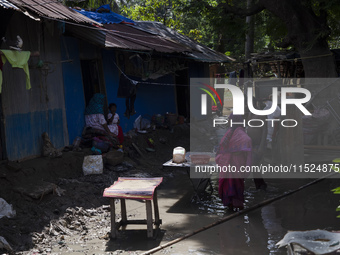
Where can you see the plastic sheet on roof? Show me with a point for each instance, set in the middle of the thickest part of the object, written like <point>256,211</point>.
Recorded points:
<point>106,17</point>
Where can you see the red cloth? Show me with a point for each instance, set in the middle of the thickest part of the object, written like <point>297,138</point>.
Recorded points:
<point>231,191</point>
<point>120,135</point>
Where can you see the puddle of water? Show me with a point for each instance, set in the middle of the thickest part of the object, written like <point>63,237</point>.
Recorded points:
<point>258,231</point>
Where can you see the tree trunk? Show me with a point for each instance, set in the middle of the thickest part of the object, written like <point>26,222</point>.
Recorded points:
<point>318,62</point>
<point>249,48</point>
<point>308,33</point>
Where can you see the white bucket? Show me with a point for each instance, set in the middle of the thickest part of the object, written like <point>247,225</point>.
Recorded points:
<point>178,155</point>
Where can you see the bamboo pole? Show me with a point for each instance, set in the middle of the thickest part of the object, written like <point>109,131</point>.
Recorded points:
<point>322,147</point>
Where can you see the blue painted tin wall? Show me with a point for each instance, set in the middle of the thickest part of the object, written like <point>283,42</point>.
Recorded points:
<point>29,113</point>
<point>151,99</point>
<point>73,87</point>
<point>23,132</point>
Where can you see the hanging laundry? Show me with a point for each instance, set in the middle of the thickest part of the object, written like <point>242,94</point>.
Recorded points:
<point>128,89</point>
<point>17,59</point>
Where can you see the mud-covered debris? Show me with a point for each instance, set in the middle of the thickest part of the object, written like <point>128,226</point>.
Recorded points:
<point>63,181</point>
<point>106,207</point>
<point>92,212</point>
<point>48,149</point>
<point>6,210</point>
<point>105,237</point>
<point>13,166</point>
<point>58,226</point>
<point>162,140</point>
<point>38,237</point>
<point>71,211</point>
<point>120,168</point>
<point>5,245</point>
<point>38,190</point>
<point>59,191</point>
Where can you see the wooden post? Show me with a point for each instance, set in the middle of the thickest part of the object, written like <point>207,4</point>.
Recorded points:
<point>149,218</point>
<point>113,219</point>
<point>155,205</point>
<point>123,207</point>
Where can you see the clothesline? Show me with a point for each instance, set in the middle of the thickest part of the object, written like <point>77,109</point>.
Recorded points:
<point>144,82</point>
<point>293,59</point>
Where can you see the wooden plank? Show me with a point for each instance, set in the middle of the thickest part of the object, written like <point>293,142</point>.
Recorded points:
<point>135,222</point>
<point>149,218</point>
<point>113,219</point>
<point>137,149</point>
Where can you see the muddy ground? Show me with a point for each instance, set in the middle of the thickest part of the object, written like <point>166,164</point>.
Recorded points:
<point>61,211</point>
<point>54,201</point>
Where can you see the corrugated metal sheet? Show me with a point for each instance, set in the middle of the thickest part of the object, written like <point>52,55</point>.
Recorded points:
<point>102,38</point>
<point>49,9</point>
<point>153,42</point>
<point>114,41</point>
<point>7,5</point>
<point>92,35</point>
<point>122,36</point>
<point>198,51</point>
<point>147,36</point>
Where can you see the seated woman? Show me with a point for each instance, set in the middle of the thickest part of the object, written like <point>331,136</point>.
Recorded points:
<point>95,122</point>
<point>113,123</point>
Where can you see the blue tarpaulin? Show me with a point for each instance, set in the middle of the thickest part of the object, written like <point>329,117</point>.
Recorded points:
<point>106,17</point>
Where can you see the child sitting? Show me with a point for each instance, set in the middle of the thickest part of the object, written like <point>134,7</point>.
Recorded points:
<point>113,123</point>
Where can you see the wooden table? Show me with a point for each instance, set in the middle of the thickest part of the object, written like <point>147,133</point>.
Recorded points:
<point>136,189</point>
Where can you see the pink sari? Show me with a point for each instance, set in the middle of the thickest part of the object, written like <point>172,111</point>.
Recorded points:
<point>234,150</point>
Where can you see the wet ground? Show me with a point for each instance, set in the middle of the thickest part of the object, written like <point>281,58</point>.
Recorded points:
<point>258,231</point>
<point>78,221</point>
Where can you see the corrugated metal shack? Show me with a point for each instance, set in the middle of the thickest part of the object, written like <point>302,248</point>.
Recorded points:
<point>74,57</point>
<point>26,114</point>
<point>161,59</point>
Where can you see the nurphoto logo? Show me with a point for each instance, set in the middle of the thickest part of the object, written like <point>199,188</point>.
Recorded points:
<point>238,104</point>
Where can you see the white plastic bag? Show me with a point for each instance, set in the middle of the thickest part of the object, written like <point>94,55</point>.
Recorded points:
<point>6,210</point>
<point>93,164</point>
<point>316,241</point>
<point>141,123</point>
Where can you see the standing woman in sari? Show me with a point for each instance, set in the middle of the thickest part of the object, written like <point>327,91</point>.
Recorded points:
<point>235,150</point>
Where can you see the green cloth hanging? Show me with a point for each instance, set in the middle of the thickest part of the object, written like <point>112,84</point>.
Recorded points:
<point>17,59</point>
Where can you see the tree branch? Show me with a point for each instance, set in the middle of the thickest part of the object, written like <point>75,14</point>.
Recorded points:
<point>254,9</point>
